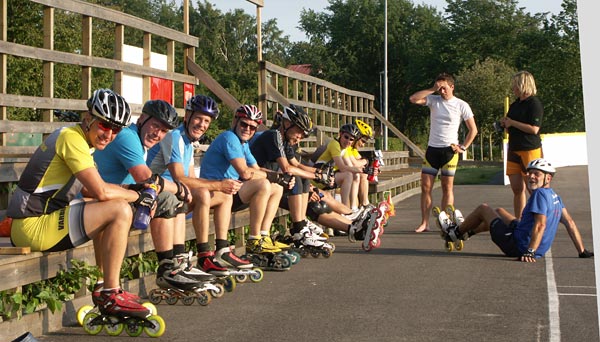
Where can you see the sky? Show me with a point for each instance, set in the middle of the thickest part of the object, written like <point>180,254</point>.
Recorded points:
<point>287,12</point>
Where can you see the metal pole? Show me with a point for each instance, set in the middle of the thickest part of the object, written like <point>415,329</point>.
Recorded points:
<point>385,131</point>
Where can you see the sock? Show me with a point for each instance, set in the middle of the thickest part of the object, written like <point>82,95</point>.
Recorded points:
<point>178,249</point>
<point>264,233</point>
<point>254,237</point>
<point>297,226</point>
<point>203,247</point>
<point>221,243</point>
<point>164,255</point>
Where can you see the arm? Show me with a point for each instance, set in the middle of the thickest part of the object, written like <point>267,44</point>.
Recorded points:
<point>571,227</point>
<point>420,97</point>
<point>95,187</point>
<point>345,165</point>
<point>293,167</point>
<point>472,132</point>
<point>228,186</point>
<point>539,226</point>
<point>142,172</point>
<point>247,172</point>
<point>507,122</point>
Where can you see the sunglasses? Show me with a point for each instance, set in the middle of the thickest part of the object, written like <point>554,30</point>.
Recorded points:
<point>348,137</point>
<point>244,125</point>
<point>106,126</point>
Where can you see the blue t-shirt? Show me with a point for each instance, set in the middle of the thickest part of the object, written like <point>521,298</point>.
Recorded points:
<point>216,163</point>
<point>125,152</point>
<point>542,201</point>
<point>175,147</point>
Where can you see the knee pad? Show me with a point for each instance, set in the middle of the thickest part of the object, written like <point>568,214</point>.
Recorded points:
<point>316,209</point>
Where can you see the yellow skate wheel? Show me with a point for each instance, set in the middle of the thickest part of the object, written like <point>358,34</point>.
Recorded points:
<point>113,327</point>
<point>150,307</point>
<point>88,325</point>
<point>449,246</point>
<point>326,253</point>
<point>459,245</point>
<point>257,275</point>
<point>82,312</point>
<point>134,327</point>
<point>450,211</point>
<point>436,211</point>
<point>229,283</point>
<point>218,293</point>
<point>158,326</point>
<point>203,298</point>
<point>241,278</point>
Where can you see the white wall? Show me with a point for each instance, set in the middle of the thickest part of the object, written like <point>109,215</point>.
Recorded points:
<point>560,149</point>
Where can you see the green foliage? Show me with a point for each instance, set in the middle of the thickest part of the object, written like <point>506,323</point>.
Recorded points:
<point>138,265</point>
<point>51,292</point>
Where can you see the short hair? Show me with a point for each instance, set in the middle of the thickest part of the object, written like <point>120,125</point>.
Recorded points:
<point>524,83</point>
<point>445,77</point>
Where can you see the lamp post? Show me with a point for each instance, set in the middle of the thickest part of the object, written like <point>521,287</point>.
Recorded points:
<point>385,81</point>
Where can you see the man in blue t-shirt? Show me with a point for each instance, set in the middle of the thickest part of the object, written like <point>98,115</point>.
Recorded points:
<point>530,237</point>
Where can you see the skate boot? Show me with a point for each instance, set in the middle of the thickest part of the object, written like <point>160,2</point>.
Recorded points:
<point>206,263</point>
<point>266,256</point>
<point>176,283</point>
<point>374,229</point>
<point>447,222</point>
<point>82,311</point>
<point>286,249</point>
<point>240,270</point>
<point>354,215</point>
<point>305,242</point>
<point>117,312</point>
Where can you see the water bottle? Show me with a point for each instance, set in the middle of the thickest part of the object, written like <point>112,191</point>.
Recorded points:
<point>374,166</point>
<point>142,217</point>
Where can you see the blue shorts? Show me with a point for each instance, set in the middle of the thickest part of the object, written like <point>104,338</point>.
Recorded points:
<point>502,236</point>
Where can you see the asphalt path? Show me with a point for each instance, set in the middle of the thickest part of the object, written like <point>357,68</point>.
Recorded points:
<point>409,289</point>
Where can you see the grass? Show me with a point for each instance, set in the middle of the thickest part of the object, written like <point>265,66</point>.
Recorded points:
<point>473,175</point>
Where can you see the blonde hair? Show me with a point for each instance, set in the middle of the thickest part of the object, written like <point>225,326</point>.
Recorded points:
<point>524,83</point>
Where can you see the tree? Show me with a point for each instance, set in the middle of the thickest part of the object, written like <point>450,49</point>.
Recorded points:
<point>484,86</point>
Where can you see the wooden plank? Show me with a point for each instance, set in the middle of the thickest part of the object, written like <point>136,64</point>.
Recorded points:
<point>416,149</point>
<point>212,85</point>
<point>15,126</point>
<point>14,250</point>
<point>100,12</point>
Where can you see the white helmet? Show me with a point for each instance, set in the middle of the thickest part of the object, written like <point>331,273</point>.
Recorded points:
<point>542,165</point>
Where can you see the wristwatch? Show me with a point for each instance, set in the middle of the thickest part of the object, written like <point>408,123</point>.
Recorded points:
<point>530,250</point>
<point>462,147</point>
<point>530,253</point>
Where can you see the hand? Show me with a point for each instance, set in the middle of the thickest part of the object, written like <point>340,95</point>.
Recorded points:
<point>230,186</point>
<point>314,196</point>
<point>145,199</point>
<point>586,254</point>
<point>527,257</point>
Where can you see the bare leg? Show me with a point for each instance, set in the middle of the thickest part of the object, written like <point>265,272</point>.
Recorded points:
<point>426,187</point>
<point>517,184</point>
<point>257,193</point>
<point>447,191</point>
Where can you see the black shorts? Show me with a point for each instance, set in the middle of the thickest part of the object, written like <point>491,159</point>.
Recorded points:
<point>502,236</point>
<point>238,204</point>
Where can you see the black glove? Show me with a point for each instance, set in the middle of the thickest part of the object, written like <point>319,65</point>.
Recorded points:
<point>154,179</point>
<point>322,177</point>
<point>586,254</point>
<point>182,191</point>
<point>145,199</point>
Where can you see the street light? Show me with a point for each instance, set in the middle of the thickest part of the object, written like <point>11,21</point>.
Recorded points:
<point>385,87</point>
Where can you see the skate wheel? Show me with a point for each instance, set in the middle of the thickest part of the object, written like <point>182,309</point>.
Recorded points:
<point>366,248</point>
<point>296,257</point>
<point>315,253</point>
<point>459,245</point>
<point>133,327</point>
<point>155,297</point>
<point>449,246</point>
<point>82,312</point>
<point>219,292</point>
<point>90,325</point>
<point>113,326</point>
<point>171,299</point>
<point>158,326</point>
<point>150,307</point>
<point>229,283</point>
<point>286,261</point>
<point>332,247</point>
<point>257,275</point>
<point>326,253</point>
<point>241,278</point>
<point>203,298</point>
<point>304,252</point>
<point>188,300</point>
<point>378,243</point>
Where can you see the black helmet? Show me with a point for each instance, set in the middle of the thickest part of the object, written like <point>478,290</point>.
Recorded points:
<point>109,106</point>
<point>163,111</point>
<point>350,129</point>
<point>203,104</point>
<point>298,117</point>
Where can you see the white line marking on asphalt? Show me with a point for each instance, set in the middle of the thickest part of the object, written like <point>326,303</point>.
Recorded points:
<point>553,303</point>
<point>577,294</point>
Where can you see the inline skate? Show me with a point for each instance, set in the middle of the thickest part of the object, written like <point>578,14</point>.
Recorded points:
<point>266,256</point>
<point>177,281</point>
<point>82,311</point>
<point>240,270</point>
<point>118,311</point>
<point>369,228</point>
<point>306,242</point>
<point>448,221</point>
